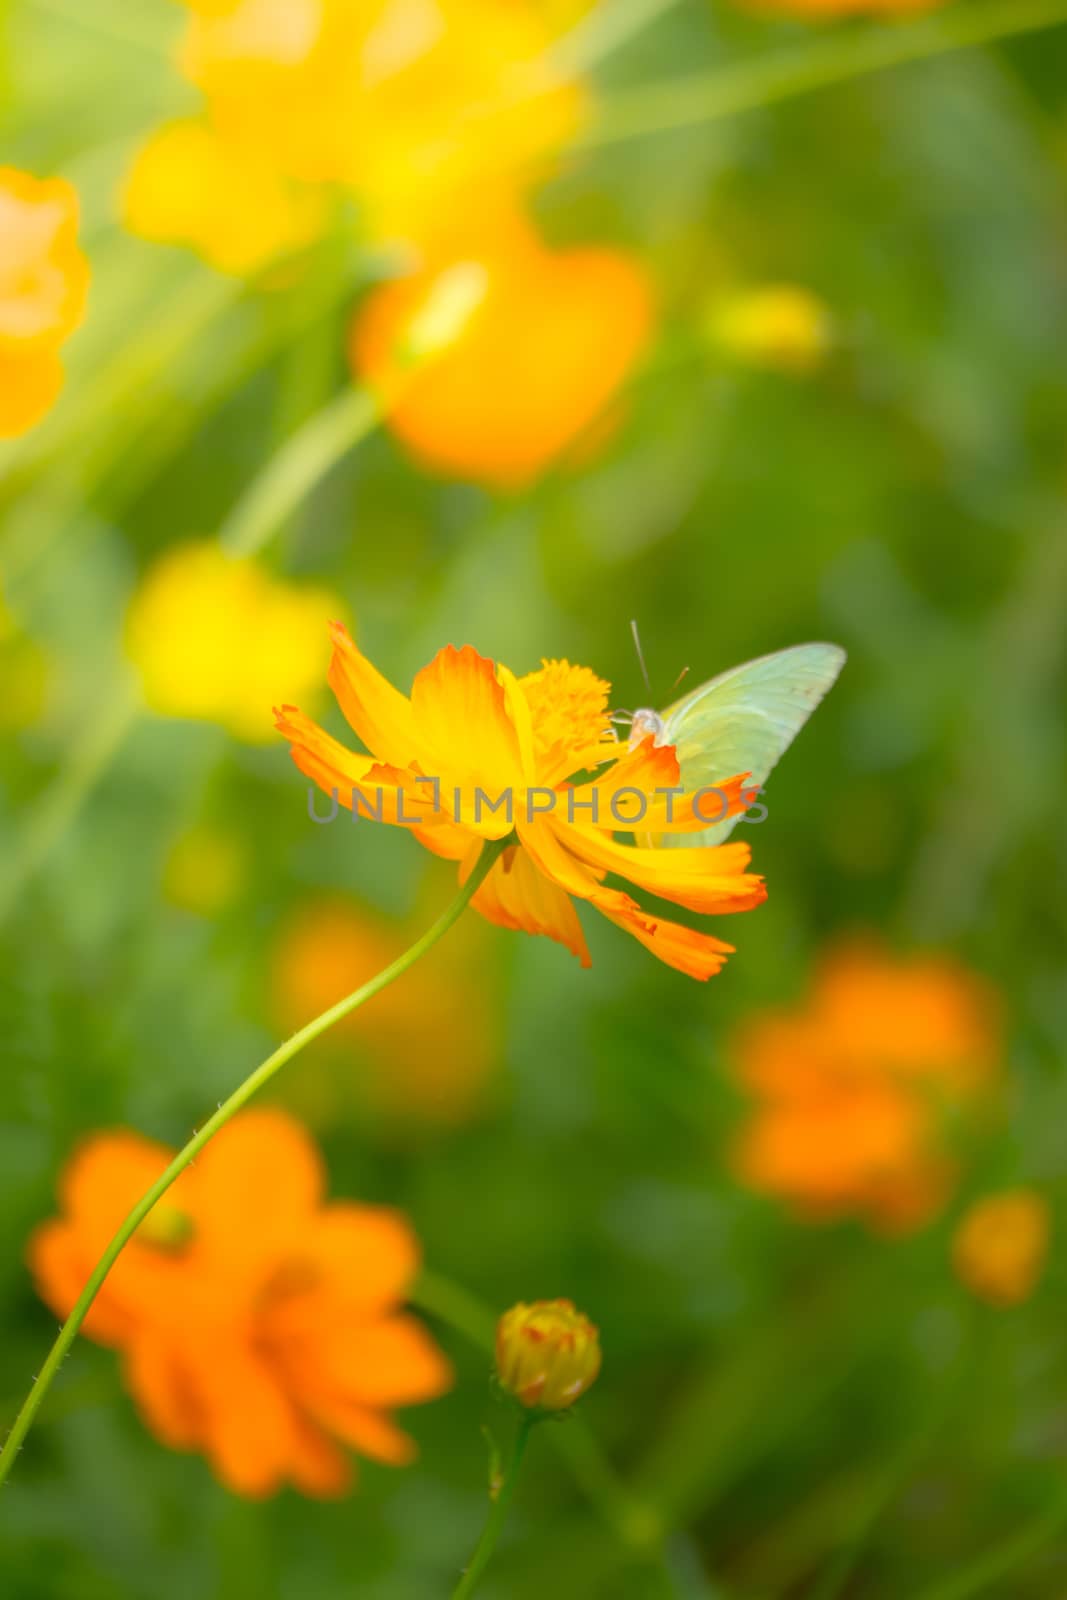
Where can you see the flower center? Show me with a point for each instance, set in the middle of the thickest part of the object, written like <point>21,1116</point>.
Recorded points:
<point>166,1228</point>
<point>569,712</point>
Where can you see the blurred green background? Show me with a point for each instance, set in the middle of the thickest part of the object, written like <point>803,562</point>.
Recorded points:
<point>779,1393</point>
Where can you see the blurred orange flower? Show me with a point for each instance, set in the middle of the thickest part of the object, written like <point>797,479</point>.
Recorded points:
<point>189,186</point>
<point>424,1051</point>
<point>541,353</point>
<point>853,1088</point>
<point>478,754</point>
<point>44,280</point>
<point>999,1248</point>
<point>257,1324</point>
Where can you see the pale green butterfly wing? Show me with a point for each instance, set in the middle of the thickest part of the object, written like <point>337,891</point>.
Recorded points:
<point>744,721</point>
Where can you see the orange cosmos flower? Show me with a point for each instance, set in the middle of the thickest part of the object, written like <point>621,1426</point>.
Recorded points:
<point>853,1088</point>
<point>477,754</point>
<point>543,349</point>
<point>257,1324</point>
<point>999,1248</point>
<point>44,280</point>
<point>421,1056</point>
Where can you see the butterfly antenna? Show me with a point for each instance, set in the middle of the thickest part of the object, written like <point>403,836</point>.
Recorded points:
<point>640,655</point>
<point>679,678</point>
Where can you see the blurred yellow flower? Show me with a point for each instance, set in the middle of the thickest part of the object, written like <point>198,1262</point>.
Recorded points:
<point>1000,1246</point>
<point>415,104</point>
<point>424,1053</point>
<point>44,280</point>
<point>216,639</point>
<point>189,186</point>
<point>205,869</point>
<point>539,356</point>
<point>780,326</point>
<point>547,1354</point>
<point>852,1088</point>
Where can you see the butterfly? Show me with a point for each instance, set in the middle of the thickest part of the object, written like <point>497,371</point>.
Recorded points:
<point>742,721</point>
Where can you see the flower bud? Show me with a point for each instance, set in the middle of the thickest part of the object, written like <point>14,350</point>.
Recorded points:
<point>547,1354</point>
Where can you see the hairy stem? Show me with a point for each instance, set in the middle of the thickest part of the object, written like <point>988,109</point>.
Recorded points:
<point>498,1510</point>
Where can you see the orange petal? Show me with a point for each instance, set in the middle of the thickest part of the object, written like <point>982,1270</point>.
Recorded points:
<point>258,1184</point>
<point>466,737</point>
<point>366,1430</point>
<point>317,1466</point>
<point>60,1265</point>
<point>377,713</point>
<point>366,1256</point>
<point>445,838</point>
<point>106,1175</point>
<point>30,382</point>
<point>343,773</point>
<point>539,359</point>
<point>542,840</point>
<point>647,767</point>
<point>696,954</point>
<point>517,895</point>
<point>651,767</point>
<point>247,1419</point>
<point>156,1377</point>
<point>709,880</point>
<point>387,1363</point>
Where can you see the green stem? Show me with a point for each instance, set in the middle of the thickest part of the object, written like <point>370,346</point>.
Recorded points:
<point>497,1512</point>
<point>350,417</point>
<point>240,1097</point>
<point>303,460</point>
<point>835,58</point>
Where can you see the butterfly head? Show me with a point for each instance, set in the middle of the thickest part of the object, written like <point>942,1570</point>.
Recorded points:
<point>645,721</point>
